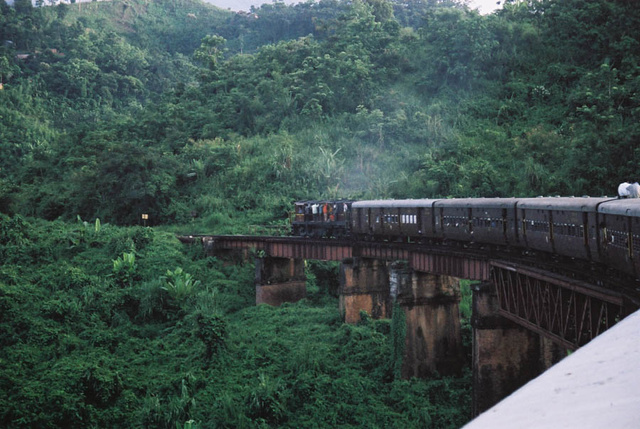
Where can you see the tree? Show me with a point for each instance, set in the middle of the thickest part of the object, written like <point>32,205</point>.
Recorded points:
<point>458,46</point>
<point>5,69</point>
<point>210,51</point>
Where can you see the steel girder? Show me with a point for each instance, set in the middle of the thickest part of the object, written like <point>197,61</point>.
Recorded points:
<point>568,312</point>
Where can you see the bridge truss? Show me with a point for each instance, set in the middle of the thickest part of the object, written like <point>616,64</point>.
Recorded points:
<point>568,312</point>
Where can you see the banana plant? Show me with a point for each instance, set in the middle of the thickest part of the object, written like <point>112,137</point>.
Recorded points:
<point>179,284</point>
<point>124,268</point>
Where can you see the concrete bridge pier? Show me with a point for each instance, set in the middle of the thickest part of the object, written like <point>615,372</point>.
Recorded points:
<point>279,280</point>
<point>505,355</point>
<point>364,285</point>
<point>433,342</point>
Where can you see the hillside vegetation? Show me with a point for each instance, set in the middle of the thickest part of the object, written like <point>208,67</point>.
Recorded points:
<point>212,122</point>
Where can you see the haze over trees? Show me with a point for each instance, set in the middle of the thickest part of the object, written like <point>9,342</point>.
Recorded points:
<point>212,121</point>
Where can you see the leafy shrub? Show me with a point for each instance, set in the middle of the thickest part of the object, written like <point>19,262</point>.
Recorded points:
<point>264,402</point>
<point>124,269</point>
<point>212,330</point>
<point>179,284</point>
<point>170,412</point>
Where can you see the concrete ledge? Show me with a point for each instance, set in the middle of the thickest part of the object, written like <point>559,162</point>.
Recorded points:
<point>598,386</point>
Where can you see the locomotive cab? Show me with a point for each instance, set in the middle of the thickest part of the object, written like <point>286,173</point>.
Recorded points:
<point>321,218</point>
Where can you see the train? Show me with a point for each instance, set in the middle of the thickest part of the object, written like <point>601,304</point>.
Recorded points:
<point>600,230</point>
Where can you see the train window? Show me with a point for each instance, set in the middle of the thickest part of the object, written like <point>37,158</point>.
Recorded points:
<point>487,222</point>
<point>455,221</point>
<point>636,243</point>
<point>408,219</point>
<point>617,238</point>
<point>568,229</point>
<point>537,226</point>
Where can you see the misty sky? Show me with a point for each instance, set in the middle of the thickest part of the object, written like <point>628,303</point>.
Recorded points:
<point>485,6</point>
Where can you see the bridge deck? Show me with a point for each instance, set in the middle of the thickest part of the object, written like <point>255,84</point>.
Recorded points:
<point>464,263</point>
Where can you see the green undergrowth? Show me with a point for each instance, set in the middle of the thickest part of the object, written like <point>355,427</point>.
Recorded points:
<point>302,367</point>
<point>103,326</point>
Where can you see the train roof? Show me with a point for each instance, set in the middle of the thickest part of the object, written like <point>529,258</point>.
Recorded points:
<point>323,202</point>
<point>622,206</point>
<point>478,202</point>
<point>556,203</point>
<point>562,203</point>
<point>393,203</point>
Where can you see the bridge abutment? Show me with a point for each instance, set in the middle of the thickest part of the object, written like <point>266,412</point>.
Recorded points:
<point>433,342</point>
<point>505,355</point>
<point>364,285</point>
<point>279,280</point>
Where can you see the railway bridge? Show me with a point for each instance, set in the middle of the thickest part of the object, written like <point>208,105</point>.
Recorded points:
<point>526,314</point>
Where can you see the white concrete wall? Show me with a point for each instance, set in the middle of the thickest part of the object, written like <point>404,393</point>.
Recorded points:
<point>598,386</point>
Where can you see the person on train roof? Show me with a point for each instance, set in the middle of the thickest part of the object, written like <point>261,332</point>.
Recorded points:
<point>629,190</point>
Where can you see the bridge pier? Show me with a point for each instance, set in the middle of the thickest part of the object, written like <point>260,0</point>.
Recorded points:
<point>505,355</point>
<point>364,285</point>
<point>279,280</point>
<point>433,342</point>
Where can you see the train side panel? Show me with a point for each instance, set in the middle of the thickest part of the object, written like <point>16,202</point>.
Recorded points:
<point>426,220</point>
<point>453,219</point>
<point>483,220</point>
<point>494,221</point>
<point>575,228</point>
<point>620,234</point>
<point>566,226</point>
<point>392,219</point>
<point>534,215</point>
<point>376,221</point>
<point>409,222</point>
<point>362,219</point>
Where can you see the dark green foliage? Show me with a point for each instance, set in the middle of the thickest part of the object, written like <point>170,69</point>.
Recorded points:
<point>264,402</point>
<point>398,335</point>
<point>214,122</point>
<point>212,330</point>
<point>325,274</point>
<point>84,344</point>
<point>457,105</point>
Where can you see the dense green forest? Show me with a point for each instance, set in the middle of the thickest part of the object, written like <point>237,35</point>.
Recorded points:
<point>214,122</point>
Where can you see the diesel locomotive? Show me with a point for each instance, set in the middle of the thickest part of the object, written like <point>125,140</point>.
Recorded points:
<point>602,230</point>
